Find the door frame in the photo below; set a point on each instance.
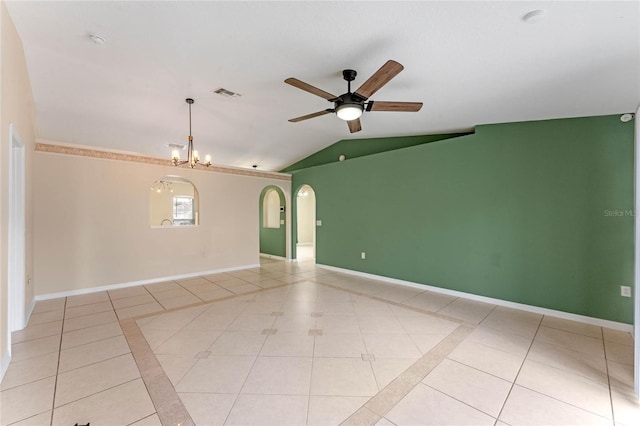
(636, 320)
(17, 233)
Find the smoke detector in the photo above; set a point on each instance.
(96, 39)
(226, 93)
(534, 16)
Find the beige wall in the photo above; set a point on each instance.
(17, 107)
(92, 223)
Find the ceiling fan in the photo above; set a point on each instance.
(350, 106)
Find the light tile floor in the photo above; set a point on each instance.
(292, 344)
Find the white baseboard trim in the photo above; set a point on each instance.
(4, 364)
(141, 282)
(272, 256)
(528, 308)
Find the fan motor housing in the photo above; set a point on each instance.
(349, 98)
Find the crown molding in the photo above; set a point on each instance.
(104, 154)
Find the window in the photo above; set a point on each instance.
(271, 209)
(183, 211)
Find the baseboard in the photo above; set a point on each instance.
(528, 308)
(4, 364)
(141, 282)
(272, 256)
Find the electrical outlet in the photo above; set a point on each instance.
(625, 291)
(363, 255)
(318, 223)
(281, 221)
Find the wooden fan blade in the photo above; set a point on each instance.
(396, 106)
(354, 125)
(379, 79)
(309, 88)
(308, 116)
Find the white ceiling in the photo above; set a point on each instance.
(469, 62)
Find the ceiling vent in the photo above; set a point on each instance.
(227, 93)
(177, 146)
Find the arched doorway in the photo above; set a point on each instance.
(273, 238)
(306, 223)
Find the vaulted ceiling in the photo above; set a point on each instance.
(469, 62)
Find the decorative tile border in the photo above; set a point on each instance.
(382, 402)
(169, 406)
(171, 410)
(109, 155)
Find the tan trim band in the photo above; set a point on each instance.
(108, 155)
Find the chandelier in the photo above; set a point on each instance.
(193, 157)
(161, 186)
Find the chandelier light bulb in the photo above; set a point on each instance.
(193, 157)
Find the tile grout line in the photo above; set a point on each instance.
(211, 302)
(208, 348)
(447, 305)
(462, 402)
(560, 369)
(408, 307)
(384, 401)
(55, 383)
(606, 366)
(99, 392)
(130, 297)
(189, 291)
(313, 355)
(235, 401)
(144, 418)
(154, 298)
(575, 373)
(124, 334)
(565, 403)
(497, 349)
(519, 370)
(366, 347)
(573, 332)
(488, 313)
(215, 340)
(37, 338)
(93, 363)
(477, 369)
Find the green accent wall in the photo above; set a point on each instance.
(273, 241)
(538, 213)
(353, 148)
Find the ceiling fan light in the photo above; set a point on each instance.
(348, 112)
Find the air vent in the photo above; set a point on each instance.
(227, 93)
(177, 146)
